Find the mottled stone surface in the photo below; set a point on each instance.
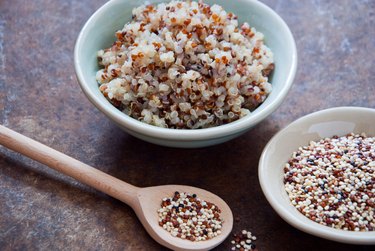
(39, 97)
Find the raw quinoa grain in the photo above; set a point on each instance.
(185, 65)
(243, 241)
(332, 182)
(188, 217)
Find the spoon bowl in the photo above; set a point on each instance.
(144, 201)
(147, 206)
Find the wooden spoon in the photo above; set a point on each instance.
(144, 201)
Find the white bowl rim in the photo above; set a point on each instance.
(350, 237)
(185, 134)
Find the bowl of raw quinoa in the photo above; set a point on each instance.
(185, 73)
(318, 174)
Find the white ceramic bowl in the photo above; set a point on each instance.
(327, 123)
(98, 33)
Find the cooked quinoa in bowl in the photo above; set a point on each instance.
(186, 65)
(99, 32)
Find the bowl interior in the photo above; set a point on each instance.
(326, 123)
(98, 33)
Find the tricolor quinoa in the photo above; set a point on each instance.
(332, 181)
(185, 64)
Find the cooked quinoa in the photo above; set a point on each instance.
(185, 65)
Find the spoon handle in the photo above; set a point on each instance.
(69, 166)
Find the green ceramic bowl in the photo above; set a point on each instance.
(98, 33)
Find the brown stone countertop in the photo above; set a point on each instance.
(41, 209)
